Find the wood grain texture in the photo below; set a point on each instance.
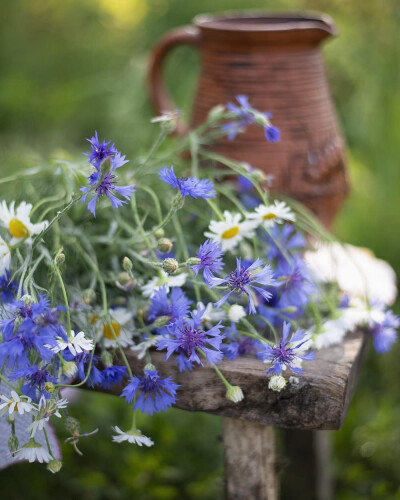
(319, 401)
(249, 460)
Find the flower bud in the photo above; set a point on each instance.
(106, 358)
(193, 261)
(54, 466)
(73, 426)
(60, 259)
(13, 443)
(234, 393)
(161, 321)
(164, 245)
(177, 202)
(127, 264)
(150, 366)
(28, 300)
(160, 233)
(290, 309)
(125, 282)
(170, 265)
(105, 166)
(216, 113)
(88, 296)
(277, 383)
(49, 387)
(69, 369)
(236, 313)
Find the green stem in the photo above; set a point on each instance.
(64, 292)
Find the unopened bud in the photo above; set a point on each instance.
(177, 202)
(164, 245)
(120, 301)
(150, 366)
(73, 426)
(277, 383)
(49, 387)
(170, 265)
(161, 321)
(69, 369)
(234, 393)
(28, 300)
(54, 466)
(60, 259)
(216, 113)
(193, 261)
(127, 264)
(88, 296)
(13, 443)
(125, 282)
(160, 233)
(106, 358)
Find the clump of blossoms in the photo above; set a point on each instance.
(179, 270)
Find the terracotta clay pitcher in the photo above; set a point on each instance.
(275, 60)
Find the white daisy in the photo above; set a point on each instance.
(18, 222)
(75, 343)
(47, 408)
(332, 332)
(236, 313)
(33, 452)
(158, 281)
(269, 215)
(229, 232)
(132, 436)
(15, 403)
(121, 319)
(5, 257)
(211, 314)
(144, 346)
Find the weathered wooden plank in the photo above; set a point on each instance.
(250, 460)
(319, 401)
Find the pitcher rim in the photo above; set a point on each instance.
(241, 21)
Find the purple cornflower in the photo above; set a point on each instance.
(289, 353)
(153, 393)
(289, 238)
(188, 338)
(104, 184)
(298, 285)
(8, 288)
(36, 377)
(384, 334)
(238, 345)
(210, 255)
(191, 186)
(246, 115)
(99, 152)
(113, 375)
(243, 280)
(175, 306)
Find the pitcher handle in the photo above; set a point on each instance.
(188, 35)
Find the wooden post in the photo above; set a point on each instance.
(249, 457)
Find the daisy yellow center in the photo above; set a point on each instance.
(269, 216)
(93, 319)
(15, 407)
(18, 228)
(108, 333)
(230, 233)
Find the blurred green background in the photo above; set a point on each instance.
(70, 67)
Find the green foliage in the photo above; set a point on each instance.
(71, 67)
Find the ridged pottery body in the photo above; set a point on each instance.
(276, 61)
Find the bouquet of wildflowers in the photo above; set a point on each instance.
(191, 258)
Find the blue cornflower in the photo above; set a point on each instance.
(83, 361)
(175, 306)
(210, 255)
(187, 338)
(188, 187)
(289, 353)
(37, 377)
(8, 288)
(244, 279)
(288, 238)
(238, 345)
(246, 115)
(153, 393)
(298, 285)
(99, 152)
(104, 184)
(384, 333)
(113, 375)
